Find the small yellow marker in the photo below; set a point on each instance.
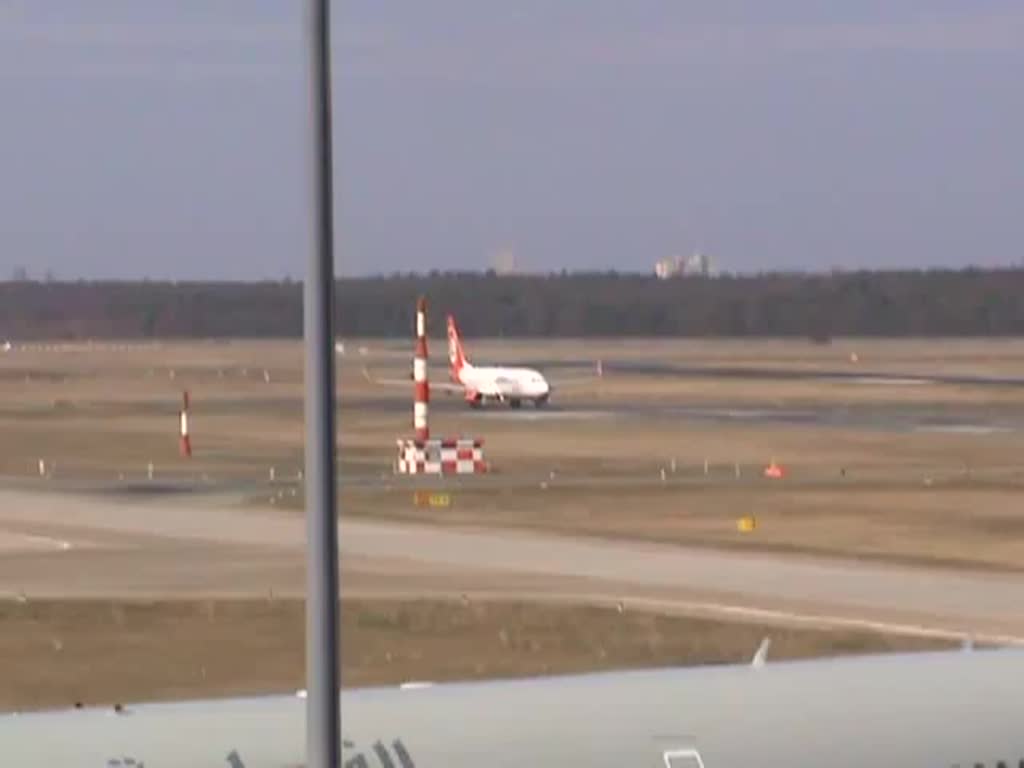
(440, 500)
(429, 499)
(746, 524)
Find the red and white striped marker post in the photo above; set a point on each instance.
(419, 374)
(423, 454)
(185, 444)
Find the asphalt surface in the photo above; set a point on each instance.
(900, 417)
(583, 405)
(767, 373)
(64, 545)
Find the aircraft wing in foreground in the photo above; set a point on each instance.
(942, 709)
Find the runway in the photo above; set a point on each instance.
(768, 373)
(188, 547)
(887, 417)
(900, 416)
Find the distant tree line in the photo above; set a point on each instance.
(971, 302)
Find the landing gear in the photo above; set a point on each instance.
(515, 402)
(540, 402)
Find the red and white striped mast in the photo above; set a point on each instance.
(185, 444)
(419, 374)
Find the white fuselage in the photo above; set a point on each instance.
(499, 383)
(935, 710)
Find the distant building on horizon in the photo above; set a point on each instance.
(680, 266)
(504, 261)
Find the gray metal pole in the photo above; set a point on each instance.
(323, 712)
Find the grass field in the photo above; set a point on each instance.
(54, 654)
(860, 483)
(866, 488)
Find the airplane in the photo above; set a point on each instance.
(482, 384)
(938, 709)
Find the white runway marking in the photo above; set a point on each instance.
(745, 613)
(962, 429)
(13, 541)
(891, 381)
(837, 622)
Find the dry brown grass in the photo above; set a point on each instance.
(101, 416)
(104, 415)
(53, 654)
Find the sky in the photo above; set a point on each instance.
(141, 138)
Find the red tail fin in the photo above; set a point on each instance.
(456, 356)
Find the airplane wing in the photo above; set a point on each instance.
(440, 386)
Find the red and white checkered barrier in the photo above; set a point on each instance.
(441, 457)
(424, 455)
